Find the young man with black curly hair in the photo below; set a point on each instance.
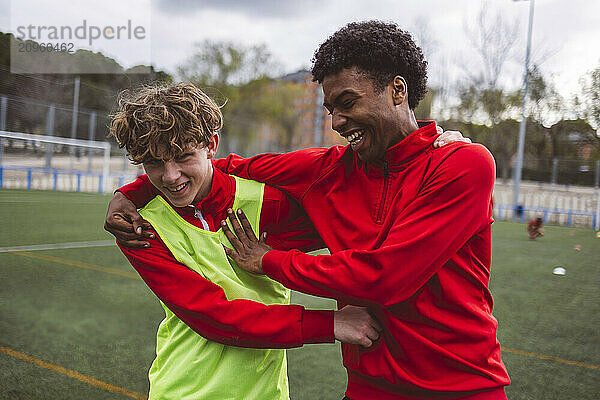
(408, 225)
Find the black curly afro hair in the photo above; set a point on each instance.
(379, 49)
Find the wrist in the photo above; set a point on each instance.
(260, 262)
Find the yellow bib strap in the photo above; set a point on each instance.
(188, 365)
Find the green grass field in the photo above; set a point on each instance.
(84, 310)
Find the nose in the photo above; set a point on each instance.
(171, 172)
(338, 121)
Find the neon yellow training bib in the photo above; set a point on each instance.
(188, 366)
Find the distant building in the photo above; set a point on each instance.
(314, 129)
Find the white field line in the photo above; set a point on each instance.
(52, 246)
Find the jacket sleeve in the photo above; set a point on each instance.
(140, 191)
(203, 306)
(453, 204)
(287, 223)
(292, 172)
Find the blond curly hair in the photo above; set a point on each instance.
(161, 122)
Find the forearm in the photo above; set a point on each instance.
(384, 276)
(270, 326)
(286, 223)
(204, 307)
(292, 172)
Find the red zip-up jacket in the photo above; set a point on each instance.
(410, 238)
(201, 304)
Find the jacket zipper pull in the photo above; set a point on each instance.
(198, 215)
(386, 171)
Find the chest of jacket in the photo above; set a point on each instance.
(355, 208)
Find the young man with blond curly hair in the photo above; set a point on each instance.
(225, 329)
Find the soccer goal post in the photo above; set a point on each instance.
(29, 150)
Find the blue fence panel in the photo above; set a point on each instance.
(55, 173)
(546, 212)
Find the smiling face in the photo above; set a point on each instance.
(371, 121)
(187, 178)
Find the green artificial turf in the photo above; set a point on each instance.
(103, 325)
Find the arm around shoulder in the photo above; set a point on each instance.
(292, 172)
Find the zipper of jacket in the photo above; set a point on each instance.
(198, 215)
(386, 174)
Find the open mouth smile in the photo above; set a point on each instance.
(356, 139)
(178, 188)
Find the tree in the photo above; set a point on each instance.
(589, 99)
(242, 80)
(279, 105)
(227, 63)
(30, 95)
(545, 105)
(568, 135)
(492, 38)
(481, 96)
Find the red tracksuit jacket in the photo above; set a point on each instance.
(201, 304)
(411, 238)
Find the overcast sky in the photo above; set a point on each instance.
(566, 33)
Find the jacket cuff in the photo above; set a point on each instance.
(272, 262)
(317, 326)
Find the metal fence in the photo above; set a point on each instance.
(30, 116)
(31, 163)
(576, 172)
(569, 205)
(34, 178)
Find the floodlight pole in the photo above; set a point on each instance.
(3, 107)
(105, 168)
(519, 162)
(318, 121)
(74, 116)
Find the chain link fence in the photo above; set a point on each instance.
(570, 172)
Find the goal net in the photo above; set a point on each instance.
(29, 161)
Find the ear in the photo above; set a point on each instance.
(212, 147)
(399, 90)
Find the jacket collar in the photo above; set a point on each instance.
(222, 190)
(413, 144)
(408, 148)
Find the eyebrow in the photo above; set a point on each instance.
(337, 98)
